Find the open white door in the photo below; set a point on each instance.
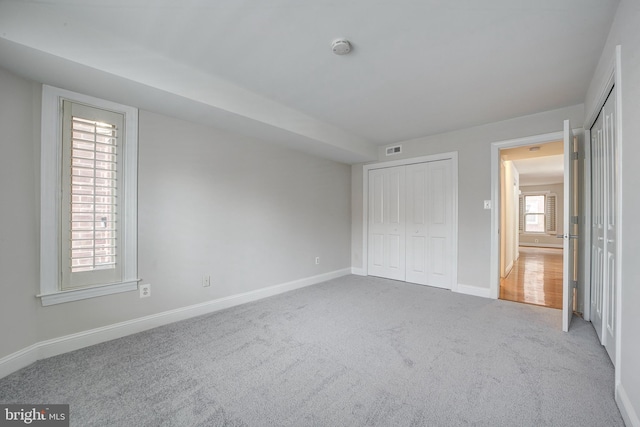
(569, 236)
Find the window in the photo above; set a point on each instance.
(534, 214)
(538, 213)
(89, 200)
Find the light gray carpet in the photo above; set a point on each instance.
(354, 351)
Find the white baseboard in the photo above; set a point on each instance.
(18, 360)
(476, 291)
(542, 245)
(628, 412)
(53, 347)
(358, 271)
(508, 268)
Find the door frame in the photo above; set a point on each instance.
(611, 78)
(494, 276)
(453, 156)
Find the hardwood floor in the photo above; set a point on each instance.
(536, 278)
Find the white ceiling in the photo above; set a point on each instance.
(541, 170)
(265, 68)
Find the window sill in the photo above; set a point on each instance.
(537, 233)
(86, 293)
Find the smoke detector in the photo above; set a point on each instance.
(341, 47)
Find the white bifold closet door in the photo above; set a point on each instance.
(387, 223)
(604, 227)
(410, 223)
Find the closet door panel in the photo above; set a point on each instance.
(386, 234)
(440, 227)
(417, 250)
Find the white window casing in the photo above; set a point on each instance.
(101, 266)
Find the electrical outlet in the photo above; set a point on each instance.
(145, 290)
(206, 281)
(317, 260)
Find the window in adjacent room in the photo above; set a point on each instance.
(538, 213)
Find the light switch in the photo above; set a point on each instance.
(487, 204)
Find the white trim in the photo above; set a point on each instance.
(84, 293)
(358, 271)
(53, 347)
(605, 89)
(542, 245)
(475, 291)
(627, 410)
(585, 227)
(494, 275)
(619, 184)
(508, 268)
(49, 200)
(19, 359)
(453, 156)
(533, 193)
(50, 184)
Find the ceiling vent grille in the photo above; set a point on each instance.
(394, 150)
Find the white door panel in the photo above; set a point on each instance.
(386, 223)
(377, 245)
(417, 228)
(604, 194)
(410, 223)
(440, 226)
(597, 226)
(416, 256)
(610, 238)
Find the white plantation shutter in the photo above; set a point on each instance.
(521, 214)
(91, 147)
(88, 197)
(550, 214)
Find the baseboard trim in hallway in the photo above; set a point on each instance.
(629, 415)
(53, 347)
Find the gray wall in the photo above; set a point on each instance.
(624, 32)
(248, 213)
(474, 182)
(19, 215)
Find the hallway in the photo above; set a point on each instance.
(536, 278)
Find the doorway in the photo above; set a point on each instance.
(570, 238)
(531, 212)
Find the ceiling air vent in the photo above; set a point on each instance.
(394, 150)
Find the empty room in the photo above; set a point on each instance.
(279, 213)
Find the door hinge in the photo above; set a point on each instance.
(574, 284)
(575, 219)
(575, 155)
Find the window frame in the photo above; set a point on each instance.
(51, 255)
(545, 214)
